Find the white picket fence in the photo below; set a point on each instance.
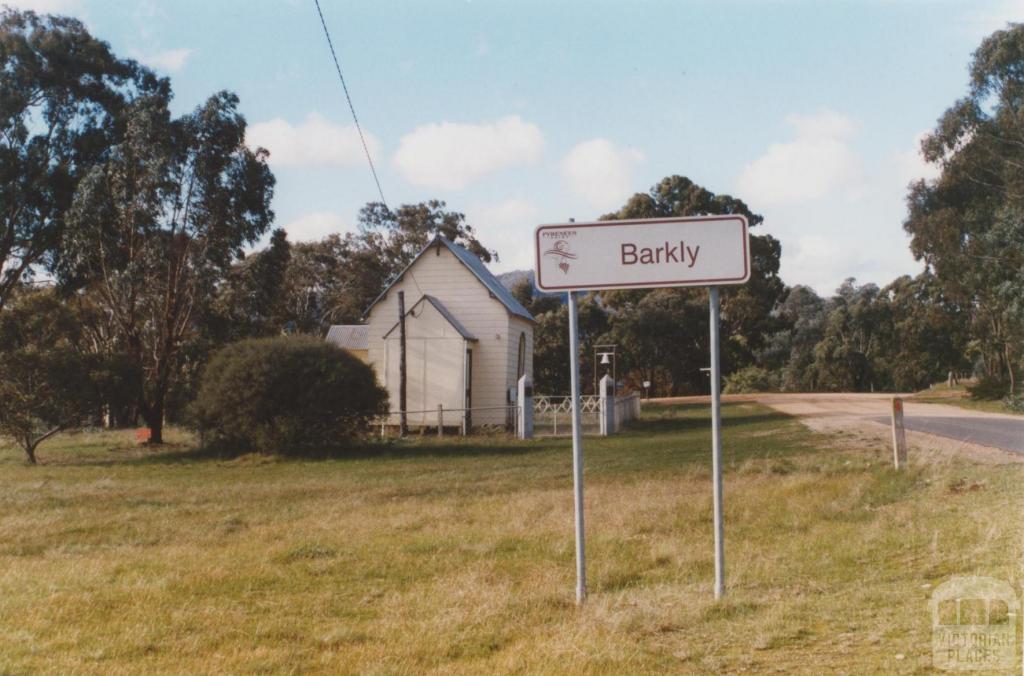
(552, 415)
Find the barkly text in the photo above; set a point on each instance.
(631, 254)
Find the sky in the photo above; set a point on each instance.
(524, 112)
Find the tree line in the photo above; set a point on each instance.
(130, 251)
(964, 314)
(902, 337)
(123, 238)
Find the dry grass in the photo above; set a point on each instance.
(959, 396)
(457, 557)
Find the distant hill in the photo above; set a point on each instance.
(512, 277)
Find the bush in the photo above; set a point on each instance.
(291, 395)
(50, 379)
(1014, 402)
(752, 379)
(989, 388)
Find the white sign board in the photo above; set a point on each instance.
(691, 251)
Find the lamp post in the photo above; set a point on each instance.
(608, 356)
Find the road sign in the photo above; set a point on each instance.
(635, 254)
(706, 251)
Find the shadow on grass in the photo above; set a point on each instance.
(680, 418)
(413, 446)
(658, 421)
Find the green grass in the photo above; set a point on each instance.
(958, 396)
(456, 556)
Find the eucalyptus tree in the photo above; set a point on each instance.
(62, 99)
(746, 309)
(964, 224)
(155, 227)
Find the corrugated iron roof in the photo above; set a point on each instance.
(349, 336)
(479, 270)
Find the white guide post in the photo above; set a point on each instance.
(577, 451)
(899, 435)
(716, 445)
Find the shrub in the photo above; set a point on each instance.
(989, 388)
(50, 380)
(752, 379)
(289, 395)
(1014, 402)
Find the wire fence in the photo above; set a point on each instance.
(552, 416)
(443, 421)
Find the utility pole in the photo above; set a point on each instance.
(403, 424)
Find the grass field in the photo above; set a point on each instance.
(457, 556)
(958, 396)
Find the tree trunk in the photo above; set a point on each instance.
(30, 451)
(1009, 368)
(156, 420)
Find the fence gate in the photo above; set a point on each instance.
(552, 416)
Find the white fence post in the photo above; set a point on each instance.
(606, 405)
(525, 411)
(440, 420)
(899, 435)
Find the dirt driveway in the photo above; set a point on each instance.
(934, 431)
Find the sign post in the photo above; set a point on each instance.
(639, 254)
(577, 451)
(716, 445)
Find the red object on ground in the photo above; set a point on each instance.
(142, 435)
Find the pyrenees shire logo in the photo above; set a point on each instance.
(560, 250)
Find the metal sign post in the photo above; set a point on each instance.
(716, 445)
(642, 254)
(577, 451)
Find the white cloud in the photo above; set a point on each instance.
(601, 172)
(314, 142)
(44, 6)
(818, 262)
(510, 212)
(818, 163)
(315, 226)
(912, 165)
(450, 156)
(170, 60)
(501, 226)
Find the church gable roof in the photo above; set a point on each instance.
(479, 270)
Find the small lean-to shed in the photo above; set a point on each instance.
(350, 337)
(468, 340)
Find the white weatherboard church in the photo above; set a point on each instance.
(468, 340)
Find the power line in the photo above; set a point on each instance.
(337, 66)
